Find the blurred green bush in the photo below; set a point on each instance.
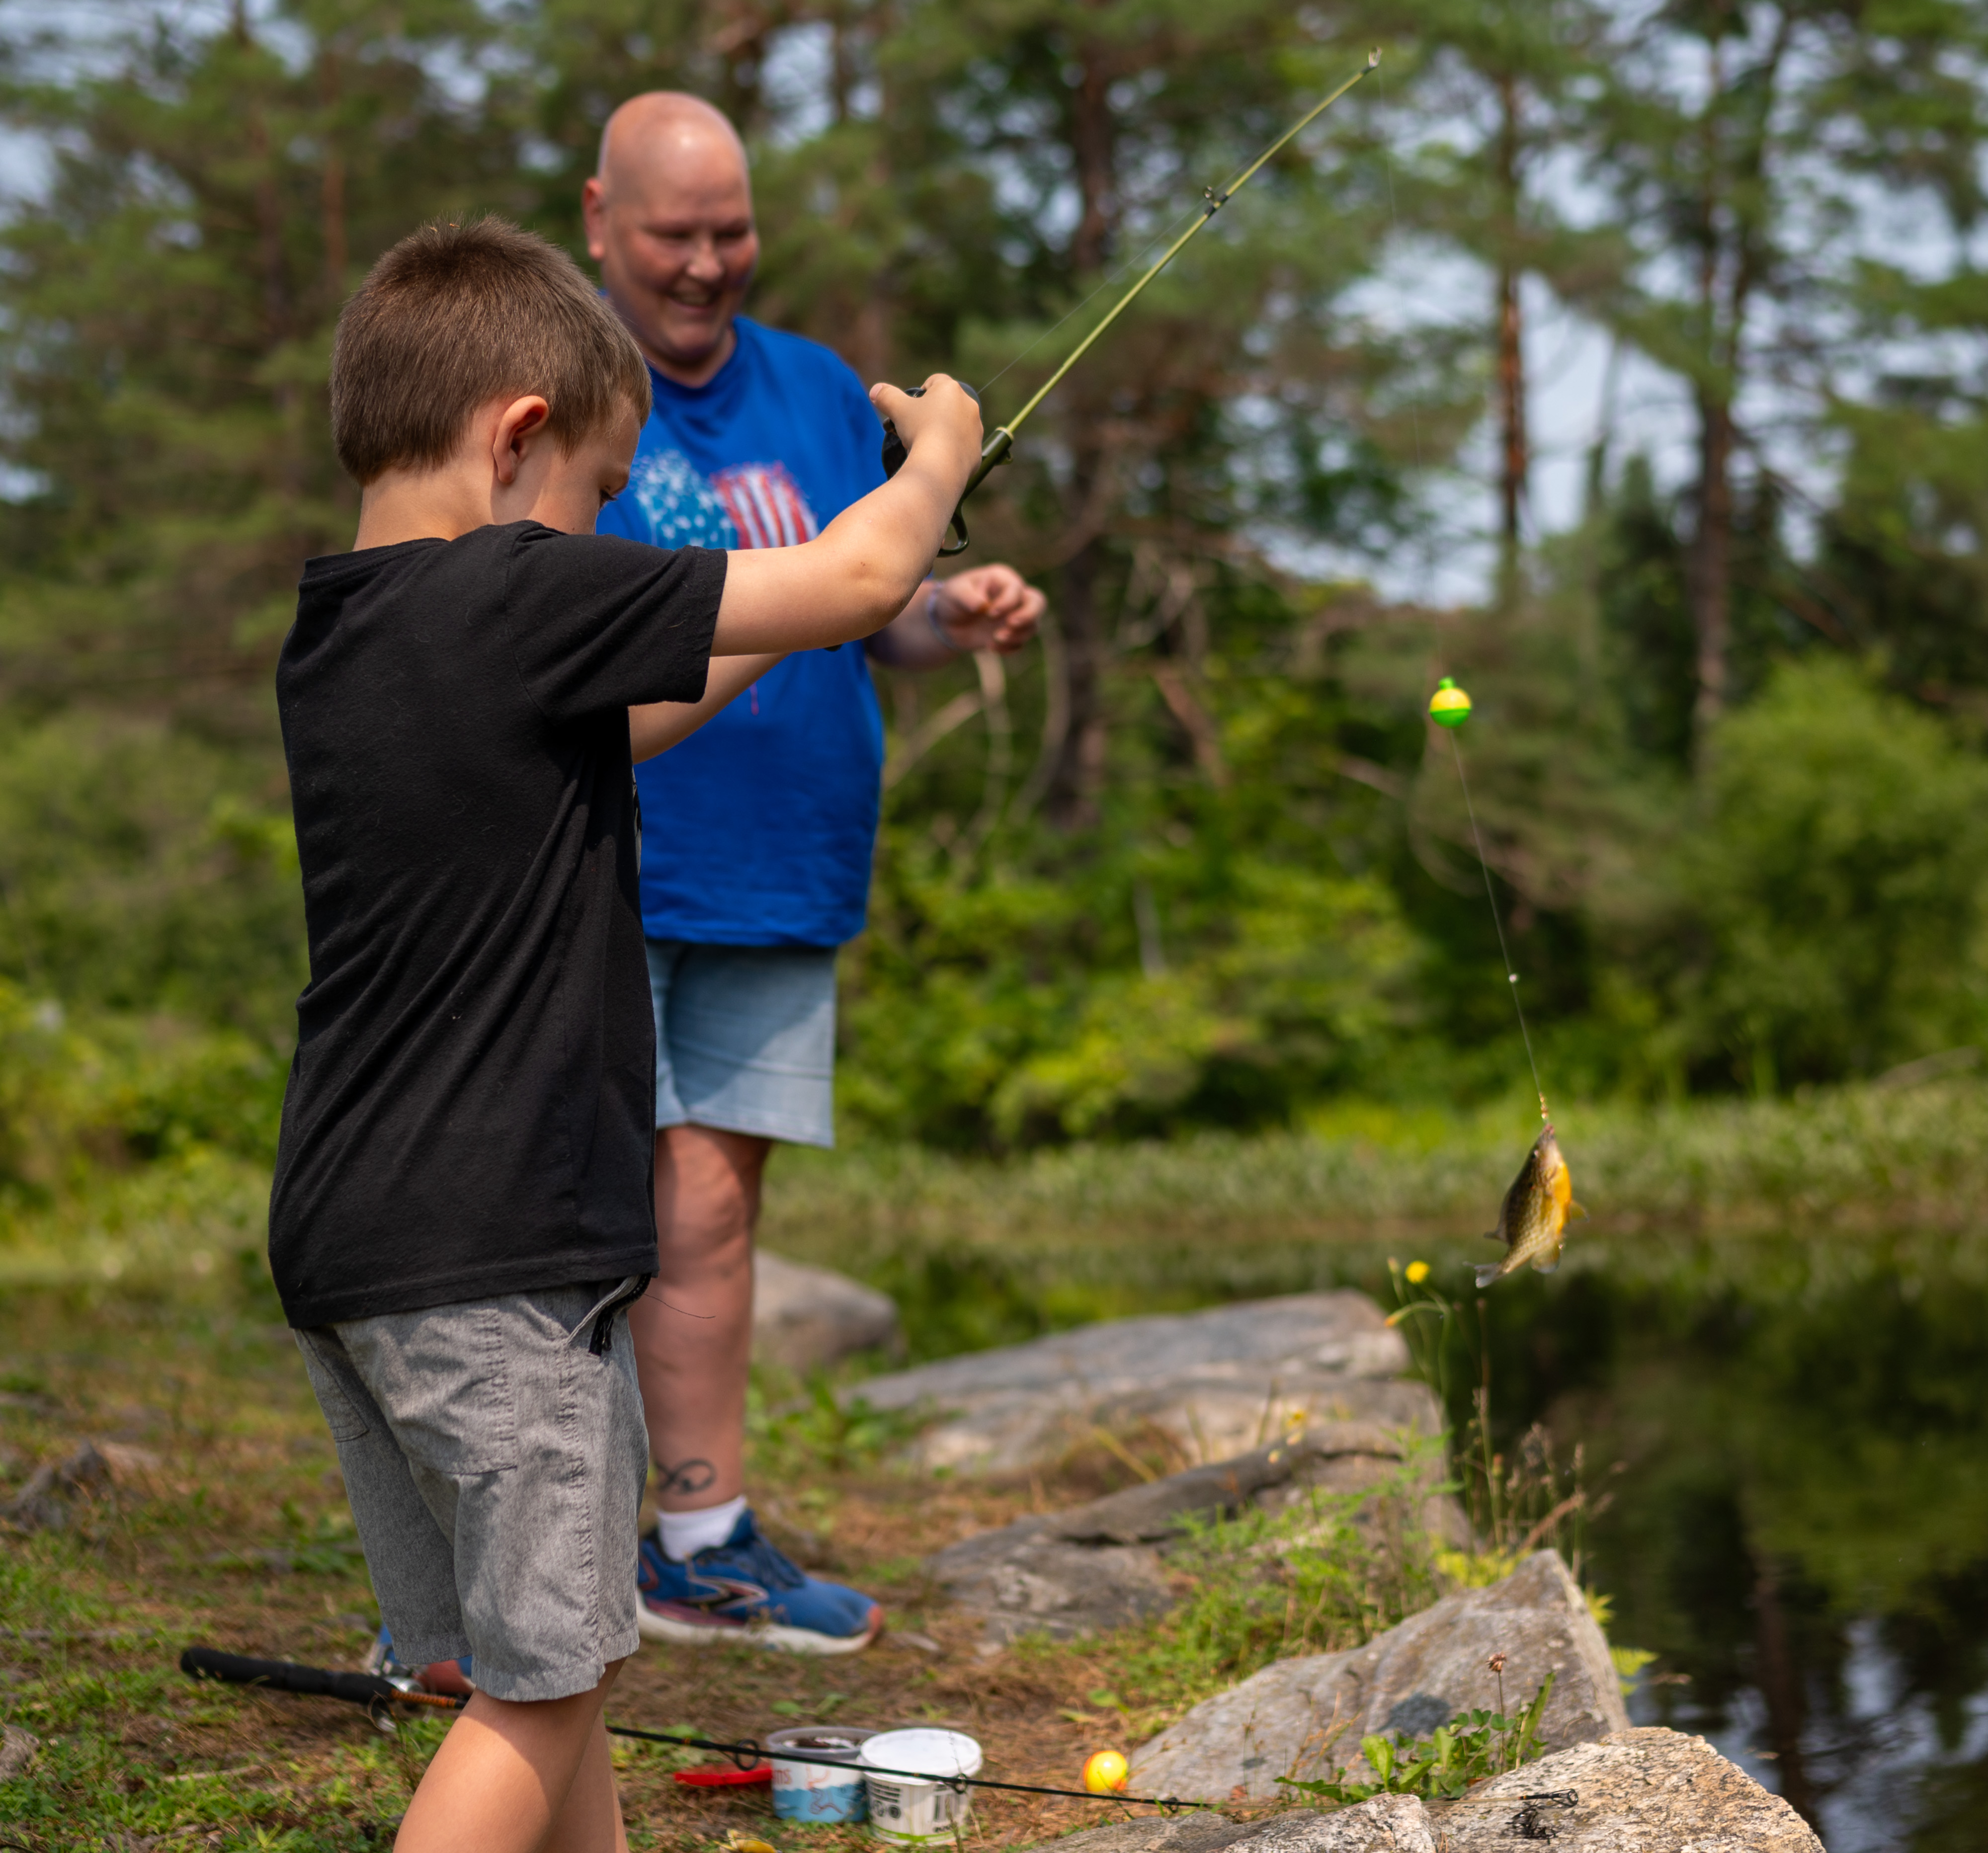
(1833, 895)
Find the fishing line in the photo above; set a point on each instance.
(372, 1691)
(747, 1752)
(1124, 270)
(1001, 442)
(1456, 751)
(1490, 894)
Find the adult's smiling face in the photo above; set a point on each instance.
(669, 220)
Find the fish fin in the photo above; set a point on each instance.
(1574, 1212)
(1487, 1275)
(1491, 1235)
(1546, 1267)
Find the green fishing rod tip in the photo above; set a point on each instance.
(1449, 706)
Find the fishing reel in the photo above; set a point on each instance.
(894, 453)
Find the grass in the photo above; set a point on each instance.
(226, 1524)
(135, 1309)
(1359, 1180)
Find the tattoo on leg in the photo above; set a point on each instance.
(686, 1477)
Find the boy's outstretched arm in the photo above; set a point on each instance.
(860, 571)
(659, 725)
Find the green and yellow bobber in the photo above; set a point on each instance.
(1449, 706)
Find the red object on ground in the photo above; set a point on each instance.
(757, 1777)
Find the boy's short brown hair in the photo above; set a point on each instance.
(457, 315)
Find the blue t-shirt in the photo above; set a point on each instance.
(758, 830)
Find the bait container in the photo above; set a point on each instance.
(919, 1809)
(815, 1791)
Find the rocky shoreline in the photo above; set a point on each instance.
(1270, 1401)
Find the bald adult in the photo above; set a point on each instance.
(669, 220)
(757, 837)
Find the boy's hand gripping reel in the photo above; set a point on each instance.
(993, 451)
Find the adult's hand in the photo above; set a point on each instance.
(988, 608)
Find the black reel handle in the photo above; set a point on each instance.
(894, 453)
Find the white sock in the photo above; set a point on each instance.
(685, 1534)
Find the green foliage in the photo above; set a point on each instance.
(1442, 1766)
(115, 1092)
(1001, 1011)
(1331, 1570)
(815, 1434)
(1193, 865)
(143, 868)
(1836, 883)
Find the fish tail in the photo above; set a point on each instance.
(1488, 1273)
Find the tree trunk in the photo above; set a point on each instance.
(1710, 567)
(1091, 144)
(331, 202)
(1515, 460)
(1078, 775)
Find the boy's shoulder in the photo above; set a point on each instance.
(402, 560)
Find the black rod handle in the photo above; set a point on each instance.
(283, 1676)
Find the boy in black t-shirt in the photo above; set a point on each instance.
(462, 1210)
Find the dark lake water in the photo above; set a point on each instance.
(1799, 1530)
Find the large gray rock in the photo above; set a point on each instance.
(18, 1749)
(43, 1504)
(1163, 1834)
(1640, 1791)
(1636, 1791)
(1388, 1824)
(1100, 1566)
(1304, 1718)
(807, 1317)
(1217, 1384)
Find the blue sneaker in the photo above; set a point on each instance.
(449, 1676)
(744, 1590)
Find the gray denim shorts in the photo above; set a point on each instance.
(494, 1454)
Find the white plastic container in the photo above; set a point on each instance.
(815, 1791)
(918, 1809)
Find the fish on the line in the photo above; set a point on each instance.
(1537, 1208)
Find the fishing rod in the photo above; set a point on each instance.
(374, 1691)
(1001, 442)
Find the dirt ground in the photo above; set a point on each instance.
(219, 1518)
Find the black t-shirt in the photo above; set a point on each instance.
(471, 1111)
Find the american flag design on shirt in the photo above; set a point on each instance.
(750, 504)
(765, 504)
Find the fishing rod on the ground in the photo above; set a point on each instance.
(1001, 442)
(374, 1691)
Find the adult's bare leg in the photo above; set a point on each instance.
(693, 1330)
(516, 1778)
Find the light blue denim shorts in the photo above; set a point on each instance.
(745, 1039)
